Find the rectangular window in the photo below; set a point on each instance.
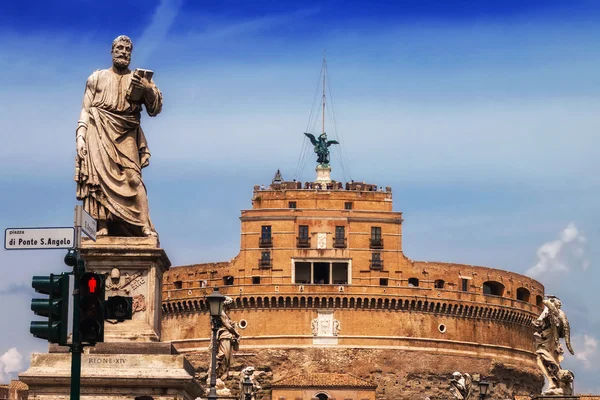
(303, 240)
(265, 236)
(348, 205)
(376, 261)
(228, 280)
(321, 273)
(339, 240)
(265, 259)
(376, 239)
(292, 204)
(302, 272)
(383, 281)
(465, 285)
(256, 280)
(339, 273)
(303, 231)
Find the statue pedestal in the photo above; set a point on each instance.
(131, 362)
(114, 371)
(134, 267)
(323, 175)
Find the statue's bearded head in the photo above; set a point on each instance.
(121, 51)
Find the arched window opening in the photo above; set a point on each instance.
(493, 288)
(321, 396)
(413, 282)
(523, 294)
(439, 284)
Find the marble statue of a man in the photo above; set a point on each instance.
(112, 148)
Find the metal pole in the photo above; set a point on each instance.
(212, 394)
(76, 346)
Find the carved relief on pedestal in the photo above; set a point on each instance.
(124, 284)
(139, 303)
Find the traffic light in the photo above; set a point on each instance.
(91, 306)
(119, 308)
(56, 308)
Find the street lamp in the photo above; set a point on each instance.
(247, 387)
(483, 389)
(215, 305)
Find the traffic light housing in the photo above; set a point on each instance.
(119, 308)
(55, 308)
(91, 308)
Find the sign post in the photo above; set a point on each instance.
(85, 222)
(60, 238)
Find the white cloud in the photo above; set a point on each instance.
(162, 20)
(561, 254)
(10, 362)
(586, 350)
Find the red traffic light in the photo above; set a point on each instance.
(91, 283)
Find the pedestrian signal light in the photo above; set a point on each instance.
(91, 308)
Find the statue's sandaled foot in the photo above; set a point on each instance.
(146, 231)
(102, 229)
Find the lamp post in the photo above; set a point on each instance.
(247, 387)
(215, 305)
(483, 389)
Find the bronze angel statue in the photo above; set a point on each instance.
(461, 386)
(321, 147)
(551, 326)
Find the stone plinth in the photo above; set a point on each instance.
(323, 174)
(109, 373)
(557, 397)
(134, 267)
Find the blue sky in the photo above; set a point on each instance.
(481, 115)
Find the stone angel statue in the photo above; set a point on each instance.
(551, 326)
(461, 385)
(321, 147)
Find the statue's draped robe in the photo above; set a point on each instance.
(548, 347)
(109, 178)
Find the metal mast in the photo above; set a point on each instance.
(324, 74)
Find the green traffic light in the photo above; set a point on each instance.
(55, 308)
(45, 308)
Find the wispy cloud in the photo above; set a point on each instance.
(157, 30)
(16, 288)
(561, 255)
(10, 362)
(586, 350)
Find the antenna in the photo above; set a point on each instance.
(324, 74)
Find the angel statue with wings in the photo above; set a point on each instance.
(321, 147)
(551, 326)
(461, 386)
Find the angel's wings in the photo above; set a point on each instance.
(565, 330)
(312, 138)
(330, 142)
